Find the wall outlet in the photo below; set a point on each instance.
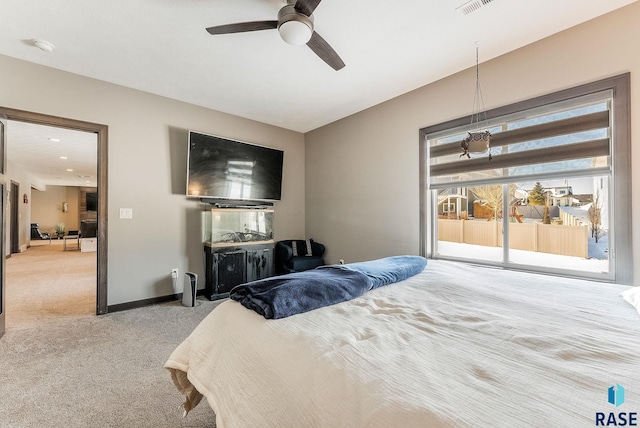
(174, 273)
(341, 261)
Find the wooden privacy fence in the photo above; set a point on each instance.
(543, 238)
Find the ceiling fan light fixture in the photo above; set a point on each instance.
(294, 27)
(295, 32)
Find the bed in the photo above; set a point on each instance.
(455, 345)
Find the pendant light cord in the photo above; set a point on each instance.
(478, 101)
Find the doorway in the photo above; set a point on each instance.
(101, 132)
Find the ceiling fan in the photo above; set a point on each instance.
(295, 25)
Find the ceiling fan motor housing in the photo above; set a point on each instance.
(294, 27)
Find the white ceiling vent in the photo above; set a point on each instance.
(472, 6)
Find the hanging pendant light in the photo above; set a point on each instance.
(477, 141)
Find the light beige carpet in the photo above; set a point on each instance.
(46, 283)
(63, 366)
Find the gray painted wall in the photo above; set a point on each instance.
(147, 170)
(362, 173)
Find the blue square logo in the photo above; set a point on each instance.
(616, 395)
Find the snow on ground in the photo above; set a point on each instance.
(598, 261)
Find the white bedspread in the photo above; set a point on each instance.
(456, 345)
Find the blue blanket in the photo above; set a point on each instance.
(295, 293)
(390, 269)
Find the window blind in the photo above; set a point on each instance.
(566, 137)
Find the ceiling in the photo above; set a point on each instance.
(390, 48)
(53, 156)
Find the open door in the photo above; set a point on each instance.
(3, 207)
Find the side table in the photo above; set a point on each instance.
(71, 238)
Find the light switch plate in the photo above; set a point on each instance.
(126, 213)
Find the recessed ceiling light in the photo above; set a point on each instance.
(55, 140)
(63, 157)
(69, 170)
(43, 45)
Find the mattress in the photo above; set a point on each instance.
(456, 345)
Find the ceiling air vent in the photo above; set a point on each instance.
(472, 6)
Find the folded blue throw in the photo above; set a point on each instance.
(295, 293)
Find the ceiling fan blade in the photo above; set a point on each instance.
(324, 51)
(306, 6)
(241, 27)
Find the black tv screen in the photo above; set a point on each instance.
(91, 200)
(220, 168)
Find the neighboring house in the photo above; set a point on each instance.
(561, 196)
(453, 203)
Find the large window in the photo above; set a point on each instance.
(552, 194)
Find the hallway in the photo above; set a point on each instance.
(45, 284)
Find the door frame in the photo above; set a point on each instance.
(3, 223)
(14, 234)
(102, 174)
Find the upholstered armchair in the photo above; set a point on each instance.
(36, 233)
(298, 255)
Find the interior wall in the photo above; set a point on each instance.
(362, 172)
(18, 175)
(46, 207)
(147, 171)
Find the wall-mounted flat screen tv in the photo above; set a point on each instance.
(91, 200)
(219, 168)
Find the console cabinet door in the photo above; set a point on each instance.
(227, 267)
(259, 264)
(231, 270)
